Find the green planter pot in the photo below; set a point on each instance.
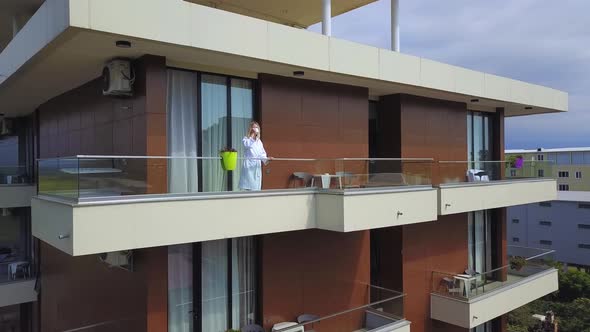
(229, 160)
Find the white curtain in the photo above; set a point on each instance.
(182, 177)
(214, 286)
(182, 131)
(241, 115)
(180, 288)
(243, 282)
(214, 132)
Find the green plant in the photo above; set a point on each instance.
(517, 262)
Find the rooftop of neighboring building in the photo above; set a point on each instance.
(573, 196)
(576, 149)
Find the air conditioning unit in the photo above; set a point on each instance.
(5, 127)
(118, 78)
(121, 259)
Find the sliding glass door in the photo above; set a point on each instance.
(211, 285)
(205, 113)
(226, 274)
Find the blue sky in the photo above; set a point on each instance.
(541, 42)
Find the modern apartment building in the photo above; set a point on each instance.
(384, 208)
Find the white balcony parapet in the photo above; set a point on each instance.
(17, 292)
(94, 204)
(471, 300)
(472, 186)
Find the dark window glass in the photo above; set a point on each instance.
(545, 204)
(515, 221)
(546, 242)
(584, 246)
(545, 223)
(584, 226)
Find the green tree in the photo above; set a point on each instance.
(573, 284)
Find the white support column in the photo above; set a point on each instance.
(327, 17)
(395, 25)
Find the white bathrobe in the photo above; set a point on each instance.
(251, 172)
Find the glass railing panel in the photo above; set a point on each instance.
(526, 169)
(486, 171)
(522, 263)
(108, 176)
(58, 176)
(382, 172)
(124, 324)
(382, 307)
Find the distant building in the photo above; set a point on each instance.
(563, 224)
(570, 166)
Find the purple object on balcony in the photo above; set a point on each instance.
(518, 162)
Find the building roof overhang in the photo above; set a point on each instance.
(66, 43)
(300, 13)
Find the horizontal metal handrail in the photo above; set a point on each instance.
(342, 313)
(492, 161)
(508, 265)
(218, 158)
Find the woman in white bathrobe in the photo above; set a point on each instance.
(254, 156)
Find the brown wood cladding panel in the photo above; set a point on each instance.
(435, 129)
(434, 246)
(153, 263)
(80, 291)
(315, 272)
(309, 119)
(83, 121)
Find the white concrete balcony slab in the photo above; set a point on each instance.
(469, 301)
(16, 195)
(96, 225)
(474, 196)
(94, 204)
(469, 313)
(17, 292)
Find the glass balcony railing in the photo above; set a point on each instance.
(104, 176)
(14, 175)
(485, 171)
(522, 263)
(383, 307)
